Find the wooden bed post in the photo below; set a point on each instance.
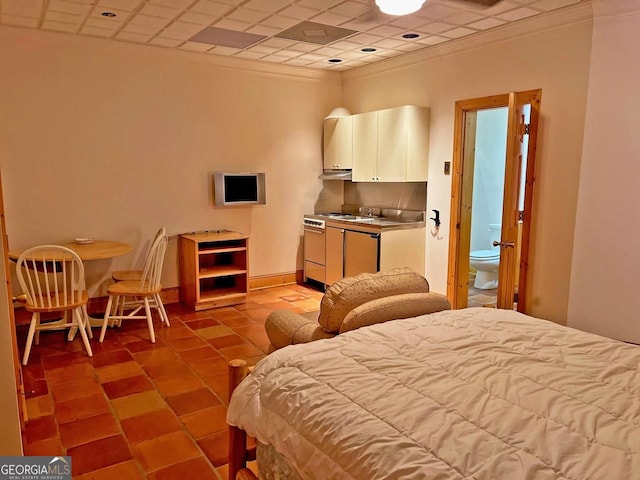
(238, 452)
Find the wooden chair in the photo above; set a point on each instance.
(52, 280)
(136, 295)
(136, 275)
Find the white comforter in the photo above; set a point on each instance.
(476, 393)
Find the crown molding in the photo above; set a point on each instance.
(575, 14)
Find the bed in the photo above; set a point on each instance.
(476, 393)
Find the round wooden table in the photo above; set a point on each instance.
(96, 250)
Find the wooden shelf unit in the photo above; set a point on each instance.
(214, 269)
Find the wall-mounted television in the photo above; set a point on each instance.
(238, 189)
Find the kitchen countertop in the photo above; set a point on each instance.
(377, 222)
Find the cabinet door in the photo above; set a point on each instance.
(392, 145)
(338, 143)
(361, 253)
(417, 143)
(334, 255)
(365, 147)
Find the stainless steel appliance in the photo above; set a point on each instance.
(314, 249)
(331, 253)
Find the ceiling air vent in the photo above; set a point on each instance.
(317, 33)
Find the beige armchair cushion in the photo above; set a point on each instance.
(347, 294)
(406, 305)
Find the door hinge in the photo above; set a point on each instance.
(521, 215)
(525, 128)
(515, 297)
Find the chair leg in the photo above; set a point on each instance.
(161, 310)
(87, 321)
(80, 319)
(32, 329)
(106, 318)
(147, 309)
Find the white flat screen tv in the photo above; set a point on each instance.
(238, 189)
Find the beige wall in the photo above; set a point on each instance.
(604, 296)
(113, 140)
(557, 61)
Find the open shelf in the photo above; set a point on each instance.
(213, 269)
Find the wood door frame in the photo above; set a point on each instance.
(458, 272)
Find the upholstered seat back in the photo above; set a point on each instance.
(345, 295)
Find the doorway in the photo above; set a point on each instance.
(491, 206)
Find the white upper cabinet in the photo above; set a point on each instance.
(338, 143)
(391, 145)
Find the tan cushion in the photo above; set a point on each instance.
(285, 327)
(406, 305)
(346, 294)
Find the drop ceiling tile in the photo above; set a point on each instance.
(435, 11)
(247, 15)
(69, 7)
(278, 21)
(128, 5)
(211, 8)
(249, 54)
(517, 14)
(328, 51)
(390, 43)
(274, 59)
(198, 18)
(160, 11)
(179, 4)
(148, 20)
(64, 17)
(267, 6)
(263, 49)
(60, 26)
(121, 15)
(486, 23)
(346, 45)
(353, 9)
(132, 37)
(140, 29)
(458, 32)
(165, 42)
(408, 22)
(181, 31)
(103, 24)
(97, 32)
(365, 38)
(330, 19)
(548, 5)
(410, 47)
(195, 47)
(22, 8)
(303, 47)
(462, 18)
(232, 25)
(351, 55)
(298, 62)
(299, 13)
(500, 7)
(319, 4)
(387, 31)
(261, 29)
(436, 27)
(288, 53)
(17, 21)
(277, 42)
(227, 38)
(227, 51)
(432, 40)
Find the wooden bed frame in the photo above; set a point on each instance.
(239, 451)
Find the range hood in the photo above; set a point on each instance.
(335, 175)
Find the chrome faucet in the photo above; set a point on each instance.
(366, 211)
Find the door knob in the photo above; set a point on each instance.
(503, 244)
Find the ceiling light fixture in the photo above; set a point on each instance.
(399, 7)
(108, 14)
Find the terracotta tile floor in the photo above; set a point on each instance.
(138, 410)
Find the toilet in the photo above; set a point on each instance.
(486, 262)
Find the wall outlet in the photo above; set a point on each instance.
(447, 168)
